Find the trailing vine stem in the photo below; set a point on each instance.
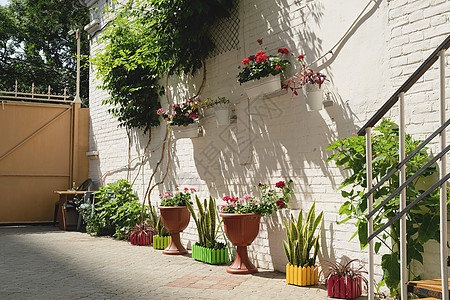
(203, 80)
(127, 129)
(143, 156)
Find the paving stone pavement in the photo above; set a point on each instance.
(43, 262)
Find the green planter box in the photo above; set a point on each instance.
(160, 242)
(211, 256)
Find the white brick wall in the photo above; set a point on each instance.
(283, 140)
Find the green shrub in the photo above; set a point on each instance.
(116, 209)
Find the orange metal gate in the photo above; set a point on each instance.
(42, 149)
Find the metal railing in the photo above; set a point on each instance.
(399, 96)
(17, 95)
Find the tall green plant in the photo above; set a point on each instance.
(206, 222)
(422, 222)
(301, 238)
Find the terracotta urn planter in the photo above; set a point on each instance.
(175, 219)
(241, 230)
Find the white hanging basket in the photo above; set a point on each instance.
(222, 111)
(190, 131)
(314, 96)
(263, 86)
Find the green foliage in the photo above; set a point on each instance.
(422, 222)
(115, 211)
(35, 46)
(301, 239)
(206, 222)
(162, 231)
(147, 39)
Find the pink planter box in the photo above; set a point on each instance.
(344, 287)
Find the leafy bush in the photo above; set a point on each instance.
(116, 209)
(422, 222)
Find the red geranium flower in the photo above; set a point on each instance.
(259, 53)
(300, 57)
(259, 41)
(280, 184)
(261, 58)
(226, 198)
(281, 204)
(252, 57)
(245, 61)
(277, 67)
(283, 50)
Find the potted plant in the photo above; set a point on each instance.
(175, 217)
(162, 238)
(141, 234)
(221, 107)
(301, 269)
(207, 249)
(260, 73)
(241, 217)
(311, 82)
(182, 118)
(343, 280)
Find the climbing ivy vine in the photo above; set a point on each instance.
(145, 40)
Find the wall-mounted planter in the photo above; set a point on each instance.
(344, 287)
(190, 131)
(302, 276)
(314, 96)
(161, 242)
(210, 256)
(222, 111)
(262, 86)
(141, 238)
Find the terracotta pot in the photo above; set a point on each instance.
(175, 219)
(241, 230)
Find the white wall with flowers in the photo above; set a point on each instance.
(276, 138)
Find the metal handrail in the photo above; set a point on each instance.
(406, 86)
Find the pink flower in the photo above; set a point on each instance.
(166, 194)
(247, 197)
(300, 57)
(223, 207)
(176, 106)
(226, 198)
(192, 115)
(281, 204)
(259, 41)
(245, 61)
(186, 189)
(186, 114)
(177, 186)
(160, 111)
(160, 195)
(280, 184)
(193, 190)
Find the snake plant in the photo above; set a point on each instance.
(301, 239)
(206, 222)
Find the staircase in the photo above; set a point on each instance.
(428, 288)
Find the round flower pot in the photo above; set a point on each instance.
(241, 230)
(190, 131)
(263, 86)
(314, 96)
(222, 112)
(175, 219)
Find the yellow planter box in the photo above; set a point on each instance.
(302, 276)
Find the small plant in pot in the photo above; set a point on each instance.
(301, 269)
(207, 249)
(260, 73)
(175, 217)
(182, 118)
(221, 107)
(310, 82)
(141, 234)
(343, 280)
(162, 238)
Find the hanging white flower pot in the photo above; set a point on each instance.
(190, 131)
(263, 86)
(314, 96)
(222, 111)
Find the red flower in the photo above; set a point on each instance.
(261, 58)
(281, 204)
(280, 184)
(259, 41)
(277, 67)
(300, 57)
(283, 50)
(259, 53)
(226, 198)
(246, 61)
(252, 57)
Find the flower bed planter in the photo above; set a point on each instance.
(262, 86)
(190, 131)
(211, 256)
(241, 230)
(302, 276)
(314, 97)
(344, 287)
(160, 242)
(175, 219)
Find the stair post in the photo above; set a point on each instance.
(371, 288)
